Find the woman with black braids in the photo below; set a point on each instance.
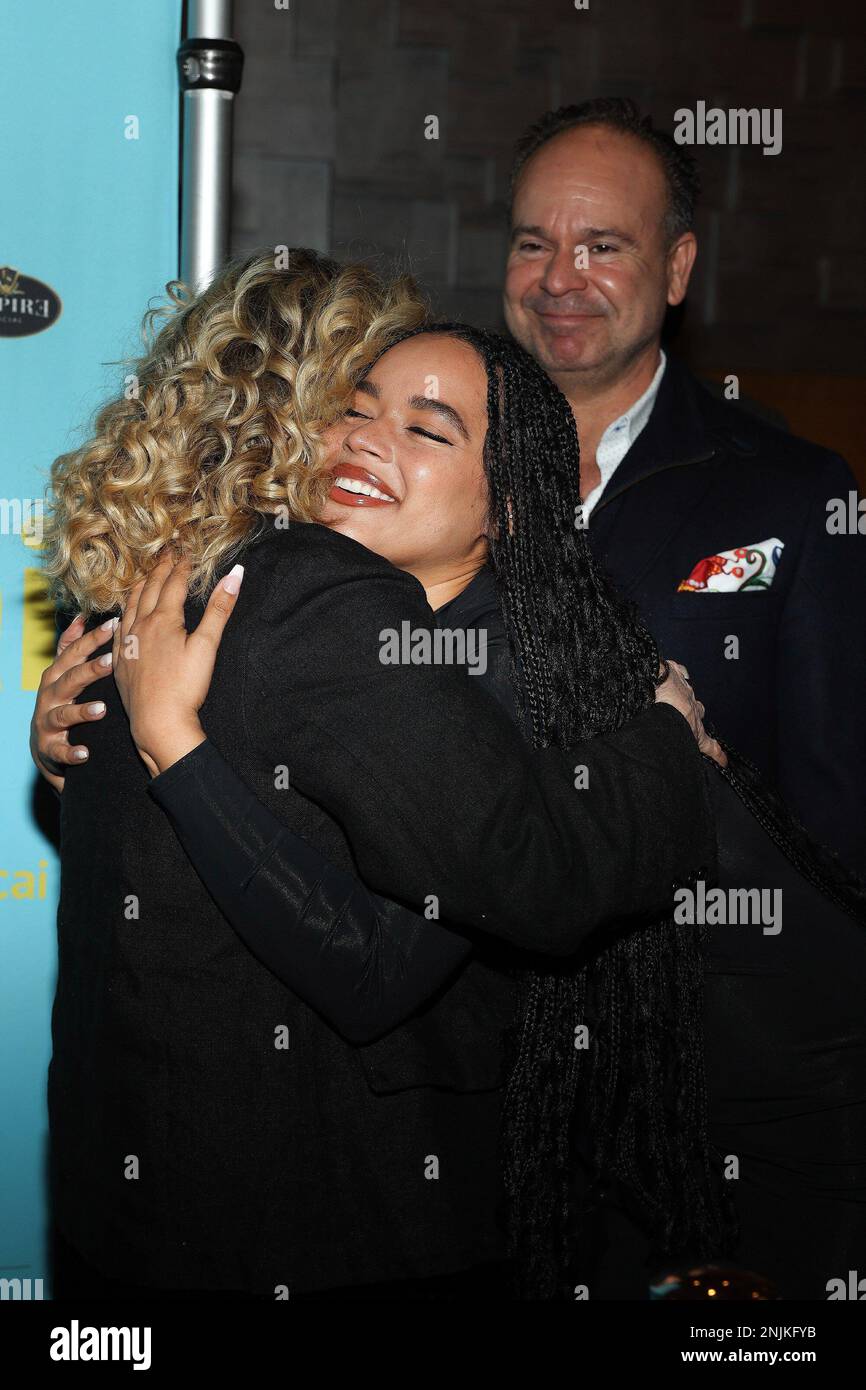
(607, 1140)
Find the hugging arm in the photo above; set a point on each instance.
(433, 785)
(363, 962)
(366, 962)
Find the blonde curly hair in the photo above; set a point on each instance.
(224, 424)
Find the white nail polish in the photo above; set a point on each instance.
(232, 581)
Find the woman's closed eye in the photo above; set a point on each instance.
(428, 434)
(352, 414)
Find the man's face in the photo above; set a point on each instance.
(594, 197)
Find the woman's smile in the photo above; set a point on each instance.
(358, 487)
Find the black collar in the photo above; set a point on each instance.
(687, 425)
(475, 606)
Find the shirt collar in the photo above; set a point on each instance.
(621, 433)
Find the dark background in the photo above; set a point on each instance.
(330, 153)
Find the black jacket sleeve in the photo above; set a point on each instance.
(433, 786)
(363, 962)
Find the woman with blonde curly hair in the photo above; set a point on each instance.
(220, 422)
(211, 1131)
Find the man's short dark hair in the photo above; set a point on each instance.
(622, 114)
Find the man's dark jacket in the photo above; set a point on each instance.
(705, 476)
(209, 1129)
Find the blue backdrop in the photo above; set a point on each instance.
(88, 208)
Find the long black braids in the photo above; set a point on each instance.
(633, 1100)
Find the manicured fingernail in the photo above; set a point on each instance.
(105, 660)
(80, 754)
(232, 581)
(107, 625)
(96, 707)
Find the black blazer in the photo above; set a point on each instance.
(705, 476)
(209, 1130)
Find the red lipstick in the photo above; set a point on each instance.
(350, 472)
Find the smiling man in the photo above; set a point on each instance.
(717, 524)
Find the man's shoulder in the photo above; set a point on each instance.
(768, 448)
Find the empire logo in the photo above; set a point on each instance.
(26, 305)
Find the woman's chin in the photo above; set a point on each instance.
(349, 521)
(336, 513)
(354, 522)
(333, 514)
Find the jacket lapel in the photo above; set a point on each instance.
(625, 533)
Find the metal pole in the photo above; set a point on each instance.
(210, 64)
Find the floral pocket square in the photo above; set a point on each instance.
(748, 567)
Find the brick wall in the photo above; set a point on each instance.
(331, 150)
